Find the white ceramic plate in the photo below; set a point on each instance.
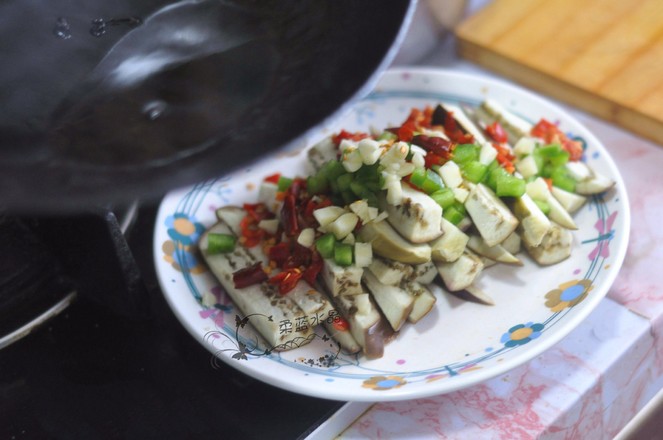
(459, 343)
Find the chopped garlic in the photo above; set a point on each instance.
(306, 237)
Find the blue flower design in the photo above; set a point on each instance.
(183, 228)
(521, 334)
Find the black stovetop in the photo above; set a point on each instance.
(98, 371)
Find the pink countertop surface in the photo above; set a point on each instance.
(591, 384)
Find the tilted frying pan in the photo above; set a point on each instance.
(108, 101)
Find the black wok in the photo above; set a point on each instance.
(110, 101)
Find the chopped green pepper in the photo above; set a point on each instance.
(465, 152)
(474, 171)
(343, 254)
(444, 197)
(510, 186)
(543, 206)
(325, 245)
(284, 183)
(220, 243)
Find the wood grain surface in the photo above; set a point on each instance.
(602, 56)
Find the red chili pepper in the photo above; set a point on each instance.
(406, 131)
(497, 133)
(341, 324)
(574, 148)
(299, 256)
(274, 178)
(548, 182)
(258, 211)
(432, 144)
(313, 269)
(550, 133)
(289, 216)
(249, 276)
(505, 158)
(357, 136)
(279, 253)
(251, 233)
(286, 280)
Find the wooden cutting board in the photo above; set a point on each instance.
(602, 56)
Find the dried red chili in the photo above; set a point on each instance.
(289, 218)
(249, 276)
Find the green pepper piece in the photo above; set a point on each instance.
(444, 197)
(418, 177)
(510, 186)
(432, 183)
(543, 206)
(474, 171)
(387, 136)
(317, 184)
(343, 254)
(358, 188)
(283, 183)
(344, 181)
(562, 179)
(332, 170)
(325, 245)
(220, 243)
(494, 175)
(465, 153)
(453, 215)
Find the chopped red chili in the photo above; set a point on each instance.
(274, 178)
(357, 136)
(340, 324)
(551, 133)
(249, 276)
(286, 280)
(497, 133)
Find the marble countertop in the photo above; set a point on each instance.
(600, 376)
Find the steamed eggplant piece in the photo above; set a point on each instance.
(322, 152)
(512, 243)
(534, 224)
(588, 181)
(423, 273)
(450, 246)
(261, 300)
(595, 185)
(515, 127)
(448, 110)
(474, 293)
(497, 252)
(366, 324)
(342, 281)
(490, 215)
(424, 301)
(343, 336)
(395, 303)
(555, 246)
(570, 202)
(538, 189)
(461, 273)
(390, 244)
(416, 217)
(390, 272)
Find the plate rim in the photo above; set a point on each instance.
(459, 382)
